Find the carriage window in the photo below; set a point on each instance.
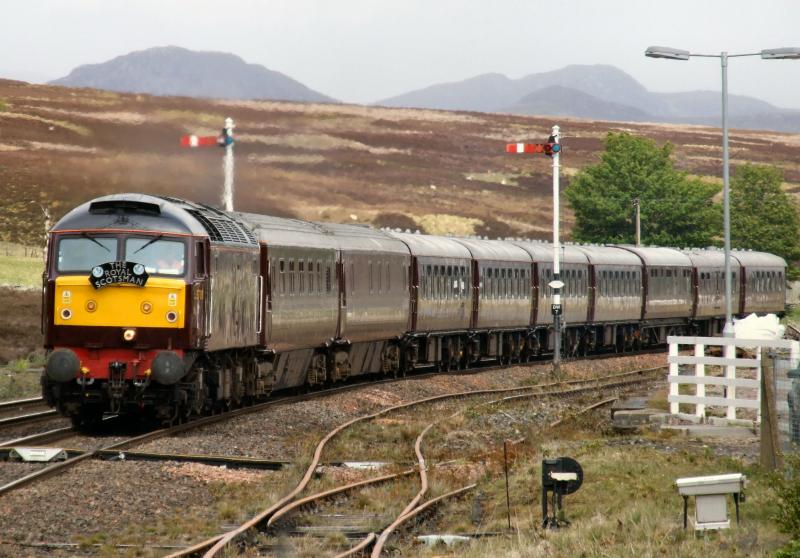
(427, 278)
(369, 271)
(328, 278)
(352, 278)
(281, 264)
(310, 277)
(301, 266)
(291, 277)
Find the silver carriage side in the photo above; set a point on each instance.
(667, 282)
(503, 273)
(441, 283)
(373, 269)
(763, 282)
(709, 287)
(575, 275)
(616, 281)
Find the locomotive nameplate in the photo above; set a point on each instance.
(118, 273)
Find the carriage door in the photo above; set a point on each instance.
(265, 297)
(341, 279)
(413, 291)
(476, 293)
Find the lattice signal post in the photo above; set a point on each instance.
(225, 139)
(552, 149)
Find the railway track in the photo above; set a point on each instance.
(289, 503)
(55, 435)
(58, 434)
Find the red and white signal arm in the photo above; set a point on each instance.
(199, 141)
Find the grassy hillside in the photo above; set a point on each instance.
(436, 171)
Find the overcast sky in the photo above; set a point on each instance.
(366, 50)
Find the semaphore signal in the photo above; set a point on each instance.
(552, 149)
(547, 148)
(224, 139)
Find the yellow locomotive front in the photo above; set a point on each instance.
(121, 286)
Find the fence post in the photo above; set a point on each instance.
(674, 408)
(770, 444)
(760, 359)
(700, 372)
(730, 373)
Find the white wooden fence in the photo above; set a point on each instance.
(728, 380)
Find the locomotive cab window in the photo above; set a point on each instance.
(82, 254)
(158, 255)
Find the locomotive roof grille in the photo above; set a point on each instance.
(105, 207)
(223, 229)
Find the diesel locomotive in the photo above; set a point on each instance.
(167, 308)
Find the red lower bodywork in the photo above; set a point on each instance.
(97, 361)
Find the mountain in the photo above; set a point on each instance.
(565, 101)
(600, 92)
(495, 92)
(178, 71)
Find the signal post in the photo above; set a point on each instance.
(224, 139)
(552, 149)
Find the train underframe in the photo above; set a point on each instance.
(222, 380)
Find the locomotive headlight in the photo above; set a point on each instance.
(91, 305)
(66, 314)
(147, 307)
(129, 334)
(172, 316)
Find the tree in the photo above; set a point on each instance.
(764, 217)
(675, 210)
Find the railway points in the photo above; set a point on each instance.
(214, 546)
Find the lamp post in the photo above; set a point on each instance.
(769, 54)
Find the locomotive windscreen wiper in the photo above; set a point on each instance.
(148, 243)
(93, 239)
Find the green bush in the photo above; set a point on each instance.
(787, 491)
(791, 550)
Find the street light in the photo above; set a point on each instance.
(669, 53)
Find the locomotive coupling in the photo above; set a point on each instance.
(167, 368)
(62, 365)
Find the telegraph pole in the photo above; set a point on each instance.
(638, 222)
(552, 149)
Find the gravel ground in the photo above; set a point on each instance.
(134, 502)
